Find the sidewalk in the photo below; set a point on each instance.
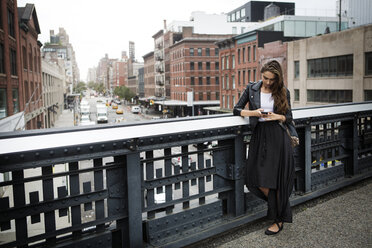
(337, 220)
(66, 119)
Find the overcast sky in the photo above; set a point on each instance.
(97, 27)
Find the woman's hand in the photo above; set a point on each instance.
(256, 113)
(271, 116)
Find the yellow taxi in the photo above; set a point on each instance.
(119, 111)
(114, 106)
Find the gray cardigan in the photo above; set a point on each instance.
(252, 95)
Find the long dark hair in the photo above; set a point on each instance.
(279, 92)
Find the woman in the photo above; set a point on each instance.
(270, 167)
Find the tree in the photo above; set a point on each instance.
(124, 93)
(80, 87)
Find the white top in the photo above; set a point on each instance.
(267, 103)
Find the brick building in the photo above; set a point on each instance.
(149, 75)
(20, 68)
(31, 67)
(240, 62)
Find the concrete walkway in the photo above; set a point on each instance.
(340, 219)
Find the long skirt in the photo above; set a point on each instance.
(271, 165)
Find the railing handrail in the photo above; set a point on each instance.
(11, 142)
(113, 133)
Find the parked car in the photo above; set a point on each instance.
(136, 110)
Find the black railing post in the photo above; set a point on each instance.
(134, 200)
(307, 161)
(239, 178)
(349, 143)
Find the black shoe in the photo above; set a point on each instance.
(268, 232)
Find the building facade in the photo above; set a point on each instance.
(331, 68)
(20, 68)
(11, 87)
(254, 11)
(31, 67)
(53, 76)
(149, 75)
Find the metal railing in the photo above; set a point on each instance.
(163, 183)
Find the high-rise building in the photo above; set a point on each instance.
(255, 11)
(60, 50)
(132, 51)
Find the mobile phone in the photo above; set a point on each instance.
(264, 113)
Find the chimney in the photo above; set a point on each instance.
(165, 25)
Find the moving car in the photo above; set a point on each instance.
(101, 114)
(136, 109)
(114, 106)
(119, 111)
(85, 121)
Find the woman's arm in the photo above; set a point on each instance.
(243, 100)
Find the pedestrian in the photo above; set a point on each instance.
(270, 167)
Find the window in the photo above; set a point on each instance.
(330, 96)
(249, 54)
(254, 53)
(200, 96)
(223, 101)
(242, 12)
(191, 51)
(233, 101)
(330, 67)
(249, 75)
(15, 101)
(217, 80)
(217, 95)
(191, 66)
(234, 30)
(200, 81)
(233, 61)
(238, 56)
(223, 62)
(208, 80)
(297, 95)
(227, 62)
(24, 56)
(207, 52)
(296, 69)
(11, 25)
(199, 52)
(13, 62)
(368, 61)
(227, 82)
(208, 65)
(233, 81)
(192, 81)
(27, 95)
(2, 59)
(3, 107)
(243, 53)
(30, 59)
(200, 66)
(217, 66)
(368, 95)
(254, 75)
(216, 52)
(223, 82)
(239, 77)
(208, 96)
(243, 77)
(227, 101)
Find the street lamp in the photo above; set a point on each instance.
(190, 97)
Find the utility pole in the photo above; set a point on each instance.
(339, 16)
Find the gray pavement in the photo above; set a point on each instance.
(340, 219)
